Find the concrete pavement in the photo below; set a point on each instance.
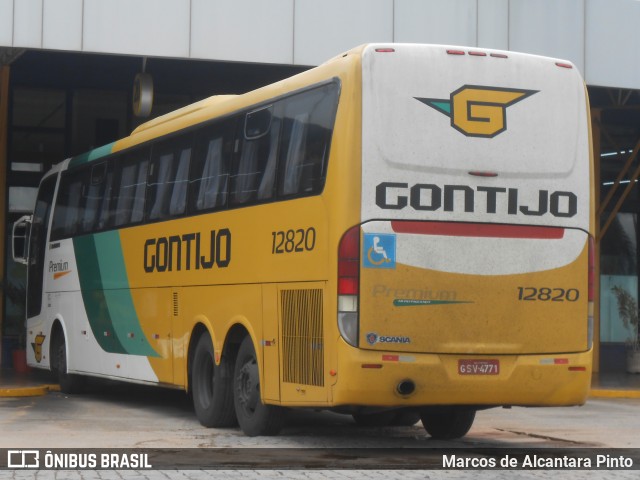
(31, 384)
(137, 417)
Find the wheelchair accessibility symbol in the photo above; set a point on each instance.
(380, 250)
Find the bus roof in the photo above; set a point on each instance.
(215, 100)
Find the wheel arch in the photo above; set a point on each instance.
(196, 332)
(235, 334)
(58, 330)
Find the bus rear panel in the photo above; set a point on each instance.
(474, 240)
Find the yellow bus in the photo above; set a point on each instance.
(404, 232)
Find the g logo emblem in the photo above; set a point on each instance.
(478, 111)
(37, 346)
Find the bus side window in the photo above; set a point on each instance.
(306, 137)
(259, 140)
(131, 188)
(137, 209)
(160, 186)
(295, 159)
(67, 211)
(94, 192)
(125, 198)
(75, 205)
(105, 212)
(178, 202)
(210, 181)
(268, 181)
(169, 179)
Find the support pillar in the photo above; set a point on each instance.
(4, 131)
(595, 135)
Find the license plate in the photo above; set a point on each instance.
(479, 367)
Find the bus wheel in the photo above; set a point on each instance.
(69, 383)
(212, 386)
(379, 419)
(447, 424)
(255, 418)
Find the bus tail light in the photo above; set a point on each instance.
(349, 262)
(349, 285)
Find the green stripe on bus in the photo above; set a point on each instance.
(93, 297)
(404, 302)
(91, 155)
(115, 283)
(106, 296)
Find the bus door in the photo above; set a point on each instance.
(38, 246)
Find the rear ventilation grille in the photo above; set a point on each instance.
(302, 339)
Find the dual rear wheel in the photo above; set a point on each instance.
(211, 386)
(228, 394)
(255, 418)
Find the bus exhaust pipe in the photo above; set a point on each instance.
(406, 387)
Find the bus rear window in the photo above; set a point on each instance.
(306, 136)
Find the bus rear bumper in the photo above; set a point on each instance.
(377, 378)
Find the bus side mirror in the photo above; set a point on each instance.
(19, 239)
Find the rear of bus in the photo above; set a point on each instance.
(467, 281)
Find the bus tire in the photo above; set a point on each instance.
(212, 386)
(449, 423)
(69, 383)
(255, 418)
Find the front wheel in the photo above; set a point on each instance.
(255, 418)
(449, 423)
(69, 383)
